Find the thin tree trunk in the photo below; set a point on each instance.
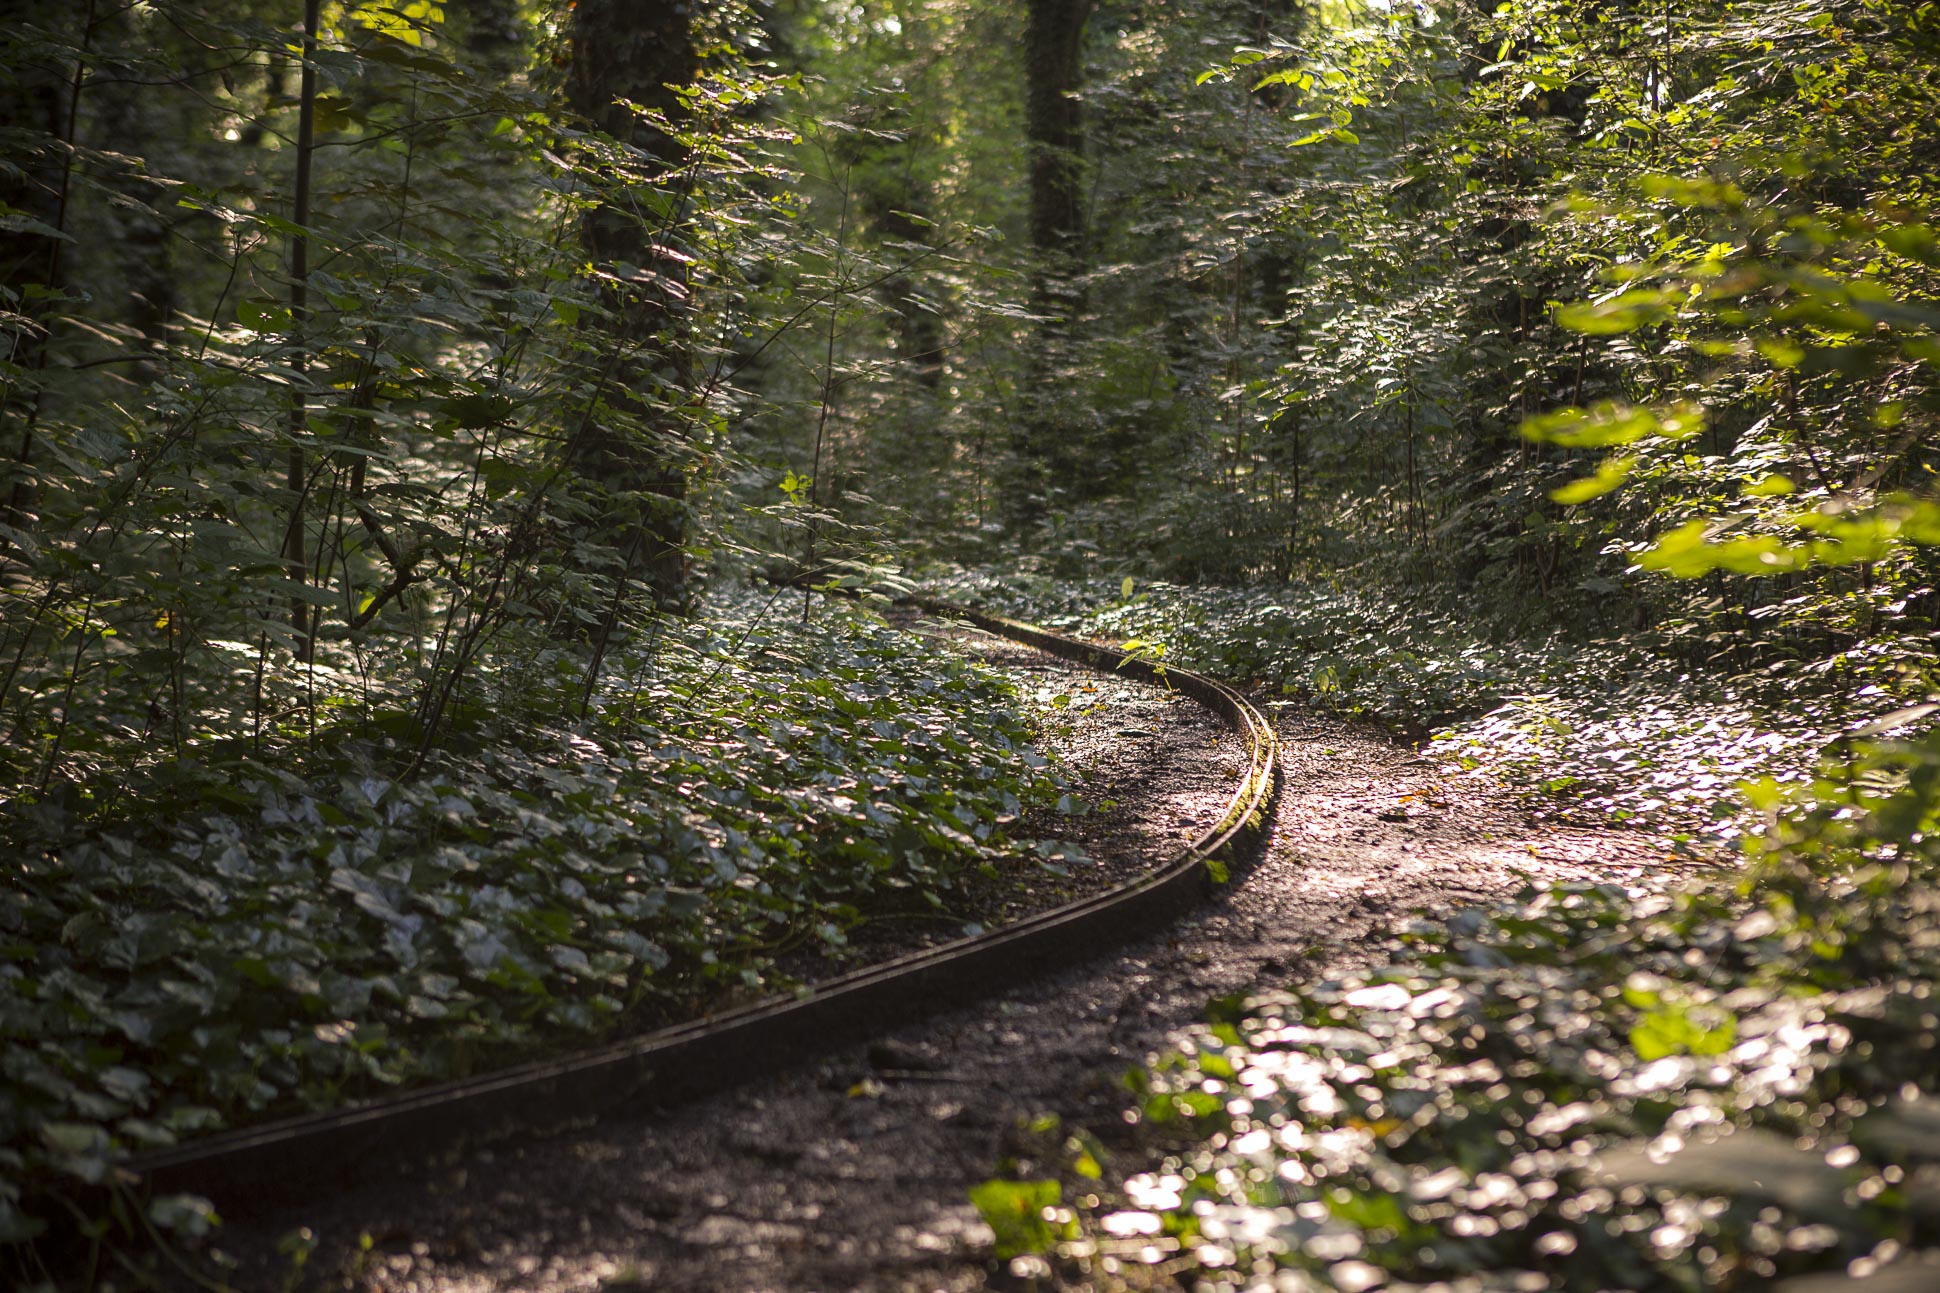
(21, 498)
(297, 466)
(1054, 123)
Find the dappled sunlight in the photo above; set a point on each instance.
(1597, 1086)
(469, 474)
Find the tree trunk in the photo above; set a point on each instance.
(1054, 35)
(1054, 120)
(295, 548)
(639, 51)
(44, 94)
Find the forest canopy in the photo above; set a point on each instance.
(391, 334)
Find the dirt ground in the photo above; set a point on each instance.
(852, 1174)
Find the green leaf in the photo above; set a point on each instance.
(1688, 552)
(478, 411)
(1609, 475)
(263, 316)
(15, 221)
(1607, 424)
(1625, 312)
(16, 1227)
(1915, 242)
(1015, 1212)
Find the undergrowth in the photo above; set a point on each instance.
(1594, 1088)
(217, 939)
(1660, 1086)
(1623, 729)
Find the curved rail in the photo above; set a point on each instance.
(280, 1163)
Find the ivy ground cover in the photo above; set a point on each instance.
(267, 937)
(1620, 728)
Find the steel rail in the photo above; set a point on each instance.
(282, 1163)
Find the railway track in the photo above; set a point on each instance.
(284, 1163)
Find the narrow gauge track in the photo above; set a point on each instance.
(279, 1164)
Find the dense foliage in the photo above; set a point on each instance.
(1617, 729)
(211, 949)
(1594, 1088)
(383, 386)
(1698, 243)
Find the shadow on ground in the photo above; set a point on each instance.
(852, 1173)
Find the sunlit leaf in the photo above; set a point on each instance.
(1609, 475)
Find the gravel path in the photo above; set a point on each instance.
(852, 1174)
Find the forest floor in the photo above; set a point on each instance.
(853, 1173)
